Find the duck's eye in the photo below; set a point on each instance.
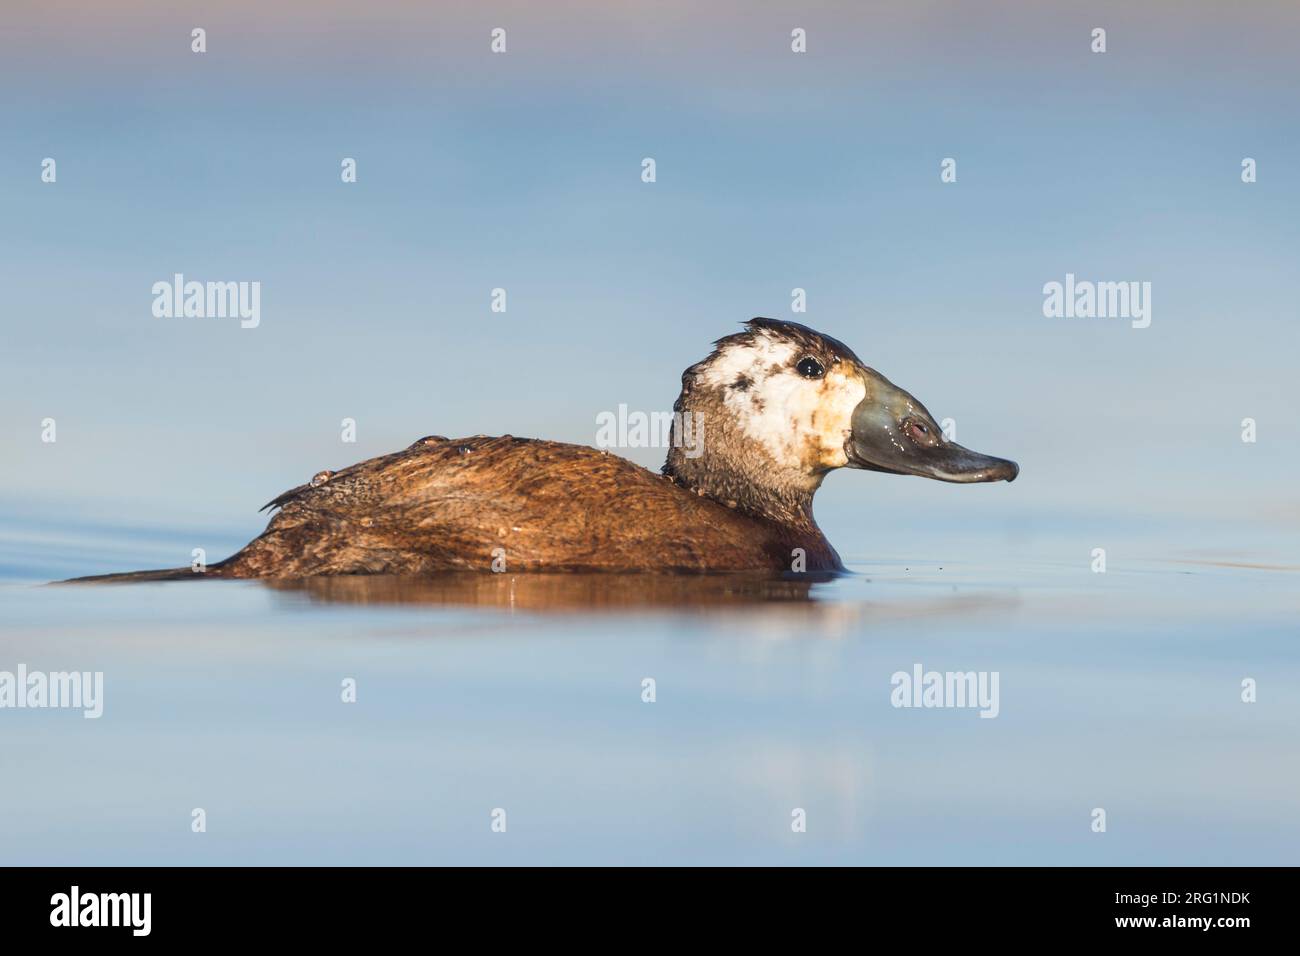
(810, 368)
(918, 431)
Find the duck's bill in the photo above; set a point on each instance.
(892, 432)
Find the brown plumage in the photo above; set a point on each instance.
(456, 504)
(782, 405)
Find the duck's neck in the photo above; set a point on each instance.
(744, 485)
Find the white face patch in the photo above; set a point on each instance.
(801, 422)
(750, 360)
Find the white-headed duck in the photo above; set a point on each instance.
(782, 405)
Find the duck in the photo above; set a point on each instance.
(779, 406)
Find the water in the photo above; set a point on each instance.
(1119, 691)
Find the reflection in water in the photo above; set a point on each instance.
(763, 605)
(557, 592)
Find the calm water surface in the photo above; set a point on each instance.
(1119, 690)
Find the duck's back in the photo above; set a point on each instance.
(514, 504)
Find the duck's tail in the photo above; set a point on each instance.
(140, 577)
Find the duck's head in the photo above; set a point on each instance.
(781, 405)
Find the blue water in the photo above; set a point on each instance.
(1119, 691)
